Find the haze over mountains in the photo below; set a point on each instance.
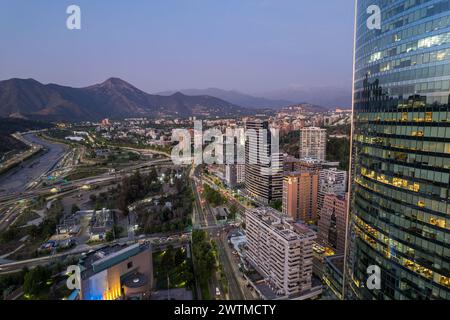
(235, 97)
(116, 98)
(329, 97)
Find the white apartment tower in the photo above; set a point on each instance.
(240, 173)
(280, 250)
(313, 143)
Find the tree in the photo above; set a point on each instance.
(179, 257)
(233, 211)
(35, 280)
(168, 258)
(277, 205)
(339, 150)
(10, 234)
(75, 209)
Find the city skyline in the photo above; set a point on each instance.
(110, 190)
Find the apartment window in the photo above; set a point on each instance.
(130, 265)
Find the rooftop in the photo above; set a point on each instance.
(108, 256)
(282, 224)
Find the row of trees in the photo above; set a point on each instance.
(176, 265)
(204, 259)
(213, 197)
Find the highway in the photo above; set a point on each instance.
(12, 200)
(158, 243)
(17, 179)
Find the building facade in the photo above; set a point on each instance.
(332, 222)
(300, 191)
(400, 204)
(117, 272)
(313, 143)
(280, 250)
(263, 169)
(240, 173)
(331, 180)
(231, 175)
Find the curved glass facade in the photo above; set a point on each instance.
(400, 205)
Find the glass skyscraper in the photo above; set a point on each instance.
(400, 205)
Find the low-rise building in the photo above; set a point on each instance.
(117, 272)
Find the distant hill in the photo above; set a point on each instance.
(235, 97)
(303, 107)
(327, 96)
(114, 98)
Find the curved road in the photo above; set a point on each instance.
(16, 180)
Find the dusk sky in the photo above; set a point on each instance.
(254, 46)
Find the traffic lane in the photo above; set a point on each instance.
(16, 180)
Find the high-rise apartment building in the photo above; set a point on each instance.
(281, 251)
(313, 143)
(331, 180)
(240, 173)
(400, 204)
(300, 191)
(332, 222)
(231, 175)
(263, 167)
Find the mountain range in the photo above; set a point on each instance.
(327, 96)
(114, 98)
(235, 97)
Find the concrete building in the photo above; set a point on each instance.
(313, 143)
(281, 251)
(101, 222)
(300, 190)
(333, 274)
(240, 173)
(332, 222)
(331, 180)
(263, 170)
(117, 272)
(231, 175)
